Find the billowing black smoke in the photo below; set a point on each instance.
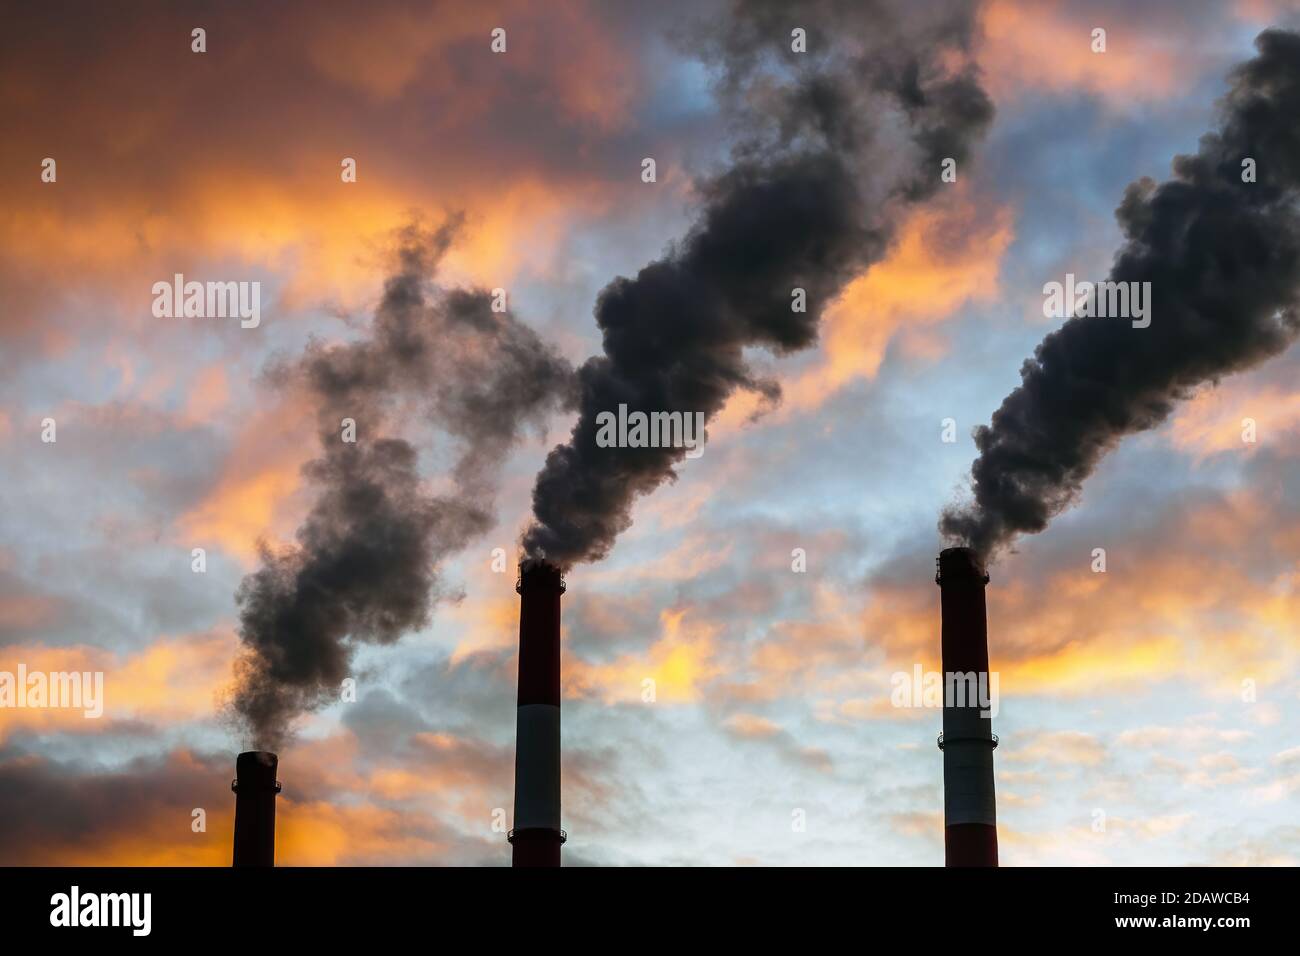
(365, 566)
(1223, 260)
(835, 142)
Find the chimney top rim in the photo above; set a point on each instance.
(960, 564)
(539, 572)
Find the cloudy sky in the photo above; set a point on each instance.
(1155, 697)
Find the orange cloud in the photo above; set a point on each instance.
(752, 725)
(679, 662)
(254, 496)
(1205, 618)
(133, 818)
(1216, 419)
(171, 680)
(435, 121)
(327, 834)
(828, 636)
(1263, 12)
(157, 829)
(1045, 45)
(698, 554)
(393, 49)
(1066, 747)
(491, 622)
(209, 393)
(26, 612)
(947, 255)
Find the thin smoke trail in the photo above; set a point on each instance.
(364, 568)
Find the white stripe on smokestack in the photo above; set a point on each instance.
(536, 837)
(969, 808)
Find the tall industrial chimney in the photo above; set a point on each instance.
(967, 741)
(255, 788)
(537, 836)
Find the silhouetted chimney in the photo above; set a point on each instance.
(967, 741)
(537, 836)
(255, 788)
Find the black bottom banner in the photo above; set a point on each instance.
(221, 907)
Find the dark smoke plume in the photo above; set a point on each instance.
(365, 566)
(1223, 260)
(835, 142)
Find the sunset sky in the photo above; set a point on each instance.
(1122, 692)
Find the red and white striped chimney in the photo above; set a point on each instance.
(967, 742)
(536, 837)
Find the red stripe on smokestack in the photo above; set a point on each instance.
(969, 808)
(255, 788)
(537, 836)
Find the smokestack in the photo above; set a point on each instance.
(255, 788)
(537, 836)
(967, 741)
